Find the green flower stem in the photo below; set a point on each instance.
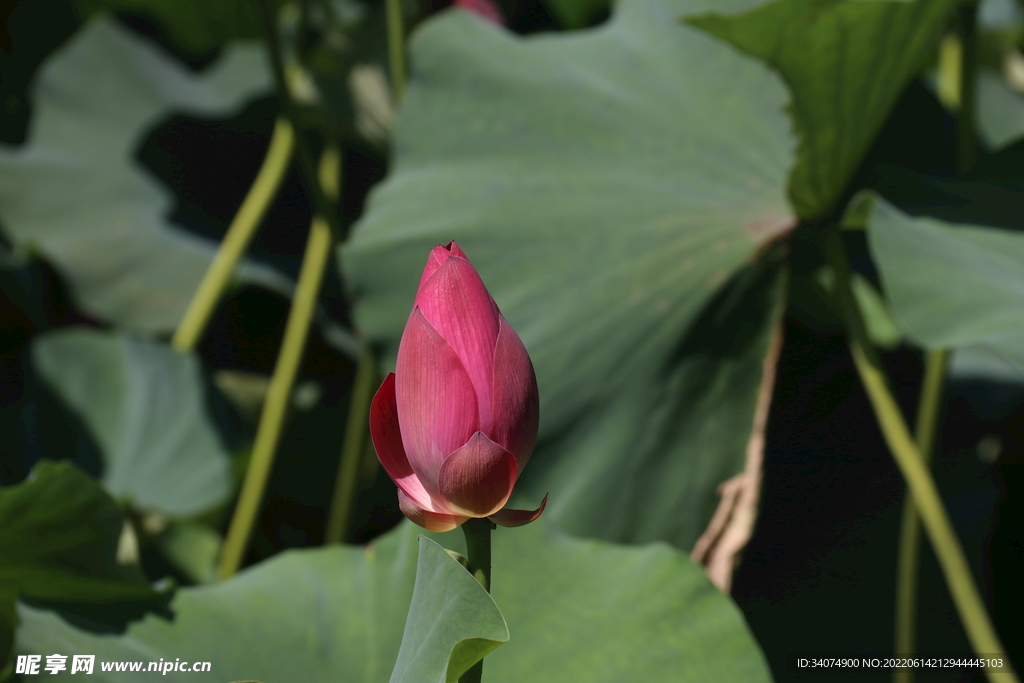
(478, 556)
(908, 557)
(478, 549)
(396, 47)
(314, 262)
(340, 516)
(925, 431)
(922, 487)
(318, 249)
(929, 408)
(238, 236)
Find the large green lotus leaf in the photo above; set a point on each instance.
(951, 286)
(1000, 111)
(75, 193)
(578, 612)
(59, 543)
(607, 184)
(196, 25)
(983, 363)
(144, 404)
(452, 624)
(645, 464)
(846, 62)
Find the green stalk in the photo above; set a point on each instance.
(318, 249)
(237, 239)
(268, 433)
(342, 502)
(966, 27)
(478, 556)
(908, 562)
(396, 47)
(925, 430)
(953, 562)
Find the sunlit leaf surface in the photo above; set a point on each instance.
(846, 64)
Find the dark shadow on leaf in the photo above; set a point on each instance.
(100, 618)
(734, 317)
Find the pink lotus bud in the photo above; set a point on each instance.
(485, 8)
(456, 422)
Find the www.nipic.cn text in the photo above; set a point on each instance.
(86, 664)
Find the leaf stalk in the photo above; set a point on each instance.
(339, 518)
(909, 553)
(396, 47)
(237, 238)
(953, 562)
(268, 433)
(966, 27)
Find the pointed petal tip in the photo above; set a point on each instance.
(455, 250)
(511, 518)
(438, 255)
(454, 302)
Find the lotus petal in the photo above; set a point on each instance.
(454, 300)
(508, 517)
(515, 403)
(431, 521)
(387, 441)
(435, 399)
(477, 479)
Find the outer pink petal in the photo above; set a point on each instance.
(509, 517)
(477, 479)
(431, 521)
(516, 405)
(387, 441)
(454, 300)
(436, 402)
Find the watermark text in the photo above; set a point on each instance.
(86, 664)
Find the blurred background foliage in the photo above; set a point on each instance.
(644, 197)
